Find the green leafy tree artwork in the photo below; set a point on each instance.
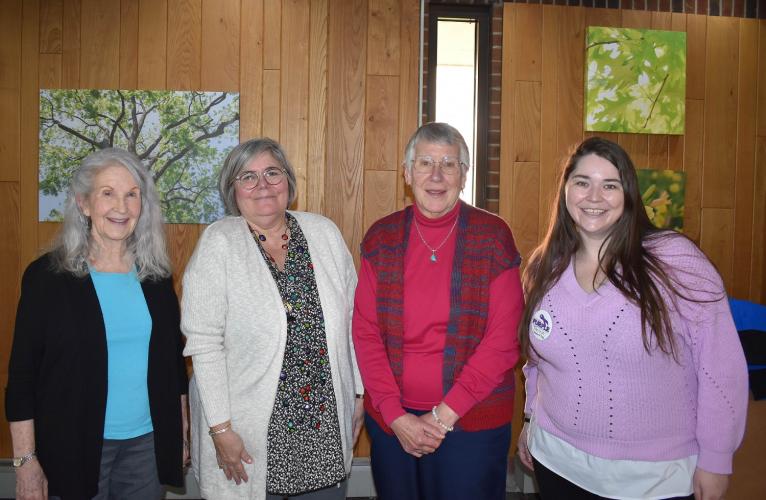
(181, 137)
(635, 81)
(663, 193)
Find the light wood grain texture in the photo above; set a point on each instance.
(272, 34)
(9, 134)
(381, 147)
(758, 259)
(761, 110)
(745, 147)
(347, 52)
(696, 34)
(10, 45)
(152, 43)
(294, 107)
(716, 236)
(747, 482)
(220, 45)
(70, 64)
(184, 46)
(678, 21)
(270, 114)
(637, 146)
(527, 31)
(383, 37)
(640, 19)
(657, 152)
(526, 186)
(720, 112)
(181, 238)
(661, 21)
(129, 21)
(46, 234)
(693, 151)
(379, 195)
(317, 127)
(571, 79)
(507, 112)
(408, 87)
(526, 121)
(51, 17)
(50, 71)
(602, 17)
(251, 70)
(100, 44)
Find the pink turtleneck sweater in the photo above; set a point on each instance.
(426, 313)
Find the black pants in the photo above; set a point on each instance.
(551, 486)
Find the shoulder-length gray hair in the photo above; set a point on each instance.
(74, 242)
(437, 133)
(238, 159)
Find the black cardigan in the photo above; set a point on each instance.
(57, 376)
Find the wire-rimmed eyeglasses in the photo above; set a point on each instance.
(249, 180)
(450, 165)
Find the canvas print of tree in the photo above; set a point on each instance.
(635, 81)
(663, 193)
(181, 137)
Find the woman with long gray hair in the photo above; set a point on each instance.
(97, 384)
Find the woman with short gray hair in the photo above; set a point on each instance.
(267, 304)
(96, 395)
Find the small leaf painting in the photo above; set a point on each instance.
(663, 192)
(635, 81)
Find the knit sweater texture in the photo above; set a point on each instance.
(236, 329)
(596, 387)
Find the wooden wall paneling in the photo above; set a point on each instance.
(379, 195)
(10, 84)
(51, 18)
(152, 43)
(636, 145)
(294, 108)
(271, 100)
(383, 37)
(526, 121)
(251, 70)
(382, 116)
(220, 45)
(678, 21)
(761, 110)
(409, 47)
(347, 52)
(46, 232)
(9, 288)
(693, 155)
(70, 63)
(272, 34)
(100, 44)
(661, 21)
(696, 34)
(50, 71)
(640, 19)
(602, 17)
(720, 107)
(657, 152)
(526, 199)
(527, 31)
(745, 156)
(747, 482)
(184, 44)
(181, 240)
(507, 110)
(716, 236)
(317, 126)
(29, 121)
(129, 20)
(571, 79)
(676, 142)
(757, 264)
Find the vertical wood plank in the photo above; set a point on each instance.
(571, 79)
(271, 100)
(30, 116)
(220, 45)
(526, 184)
(379, 195)
(602, 17)
(51, 18)
(50, 71)
(10, 93)
(294, 108)
(70, 64)
(129, 43)
(720, 105)
(347, 52)
(10, 139)
(527, 29)
(507, 111)
(317, 131)
(757, 264)
(46, 233)
(693, 153)
(761, 110)
(272, 34)
(251, 70)
(716, 236)
(181, 238)
(638, 19)
(383, 37)
(661, 21)
(380, 152)
(658, 152)
(696, 36)
(527, 121)
(10, 45)
(408, 87)
(100, 44)
(745, 157)
(152, 43)
(184, 50)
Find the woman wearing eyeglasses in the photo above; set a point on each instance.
(437, 306)
(266, 310)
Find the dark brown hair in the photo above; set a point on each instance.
(627, 264)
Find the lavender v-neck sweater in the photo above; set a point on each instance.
(597, 388)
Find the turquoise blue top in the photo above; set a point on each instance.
(128, 329)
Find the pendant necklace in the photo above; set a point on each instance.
(261, 238)
(434, 250)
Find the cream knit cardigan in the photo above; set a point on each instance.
(236, 328)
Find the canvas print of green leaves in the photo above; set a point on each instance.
(181, 137)
(635, 81)
(663, 192)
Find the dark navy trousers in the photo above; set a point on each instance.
(466, 466)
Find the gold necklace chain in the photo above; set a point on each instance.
(434, 250)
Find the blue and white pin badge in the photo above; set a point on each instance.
(541, 324)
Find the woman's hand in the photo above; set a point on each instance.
(709, 485)
(524, 455)
(186, 453)
(358, 418)
(31, 483)
(417, 435)
(231, 452)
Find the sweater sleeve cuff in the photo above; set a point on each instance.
(715, 461)
(460, 400)
(391, 409)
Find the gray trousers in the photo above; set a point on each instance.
(129, 470)
(334, 492)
